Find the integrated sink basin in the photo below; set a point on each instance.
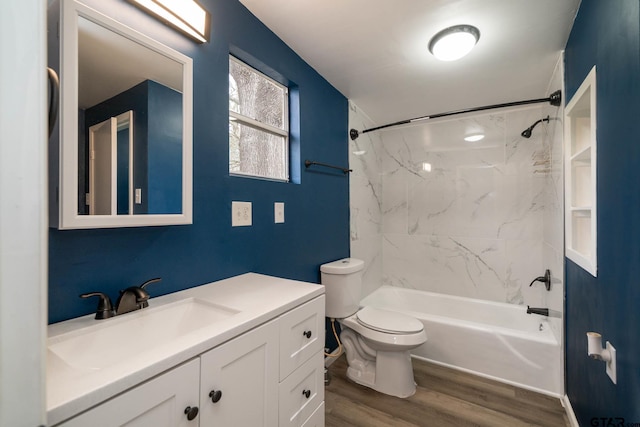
(121, 338)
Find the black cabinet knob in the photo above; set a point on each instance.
(215, 395)
(307, 334)
(191, 412)
(306, 393)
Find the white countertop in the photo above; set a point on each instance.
(256, 298)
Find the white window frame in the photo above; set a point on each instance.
(248, 121)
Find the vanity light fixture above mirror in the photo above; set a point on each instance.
(185, 15)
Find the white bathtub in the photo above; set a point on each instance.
(495, 340)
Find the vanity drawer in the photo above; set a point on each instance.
(316, 419)
(302, 392)
(301, 335)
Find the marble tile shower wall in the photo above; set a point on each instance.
(365, 199)
(466, 218)
(553, 214)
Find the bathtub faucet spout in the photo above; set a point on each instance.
(540, 311)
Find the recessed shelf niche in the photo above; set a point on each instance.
(580, 176)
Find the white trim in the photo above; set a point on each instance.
(566, 403)
(258, 125)
(23, 213)
(68, 205)
(575, 112)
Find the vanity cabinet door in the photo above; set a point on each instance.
(239, 381)
(160, 402)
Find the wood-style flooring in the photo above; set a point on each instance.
(444, 397)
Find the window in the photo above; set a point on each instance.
(258, 124)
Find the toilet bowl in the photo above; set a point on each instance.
(381, 359)
(376, 342)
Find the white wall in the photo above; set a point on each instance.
(365, 198)
(483, 223)
(473, 225)
(553, 214)
(23, 244)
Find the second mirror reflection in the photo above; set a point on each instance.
(130, 126)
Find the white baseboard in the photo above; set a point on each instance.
(569, 410)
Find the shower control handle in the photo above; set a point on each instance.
(307, 334)
(546, 279)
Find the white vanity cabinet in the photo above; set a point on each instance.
(160, 402)
(242, 377)
(301, 388)
(271, 375)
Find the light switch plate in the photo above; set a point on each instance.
(278, 212)
(611, 365)
(240, 214)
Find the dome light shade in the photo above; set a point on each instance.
(454, 42)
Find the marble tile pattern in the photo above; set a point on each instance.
(466, 218)
(365, 195)
(553, 214)
(433, 212)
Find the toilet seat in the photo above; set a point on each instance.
(388, 321)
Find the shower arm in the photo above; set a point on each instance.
(554, 99)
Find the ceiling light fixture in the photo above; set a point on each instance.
(474, 138)
(454, 42)
(186, 15)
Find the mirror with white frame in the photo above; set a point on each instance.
(126, 125)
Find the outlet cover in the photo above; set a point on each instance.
(611, 365)
(240, 214)
(278, 212)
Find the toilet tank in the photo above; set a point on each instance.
(342, 280)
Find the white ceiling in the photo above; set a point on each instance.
(109, 64)
(375, 51)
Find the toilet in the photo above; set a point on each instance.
(377, 342)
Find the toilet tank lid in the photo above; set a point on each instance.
(343, 266)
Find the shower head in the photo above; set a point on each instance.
(527, 132)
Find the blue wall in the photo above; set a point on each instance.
(134, 99)
(316, 210)
(607, 34)
(157, 129)
(164, 150)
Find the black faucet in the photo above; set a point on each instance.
(131, 299)
(540, 311)
(134, 298)
(105, 308)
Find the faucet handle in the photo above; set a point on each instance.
(144, 302)
(150, 281)
(105, 308)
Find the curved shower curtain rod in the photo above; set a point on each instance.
(554, 99)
